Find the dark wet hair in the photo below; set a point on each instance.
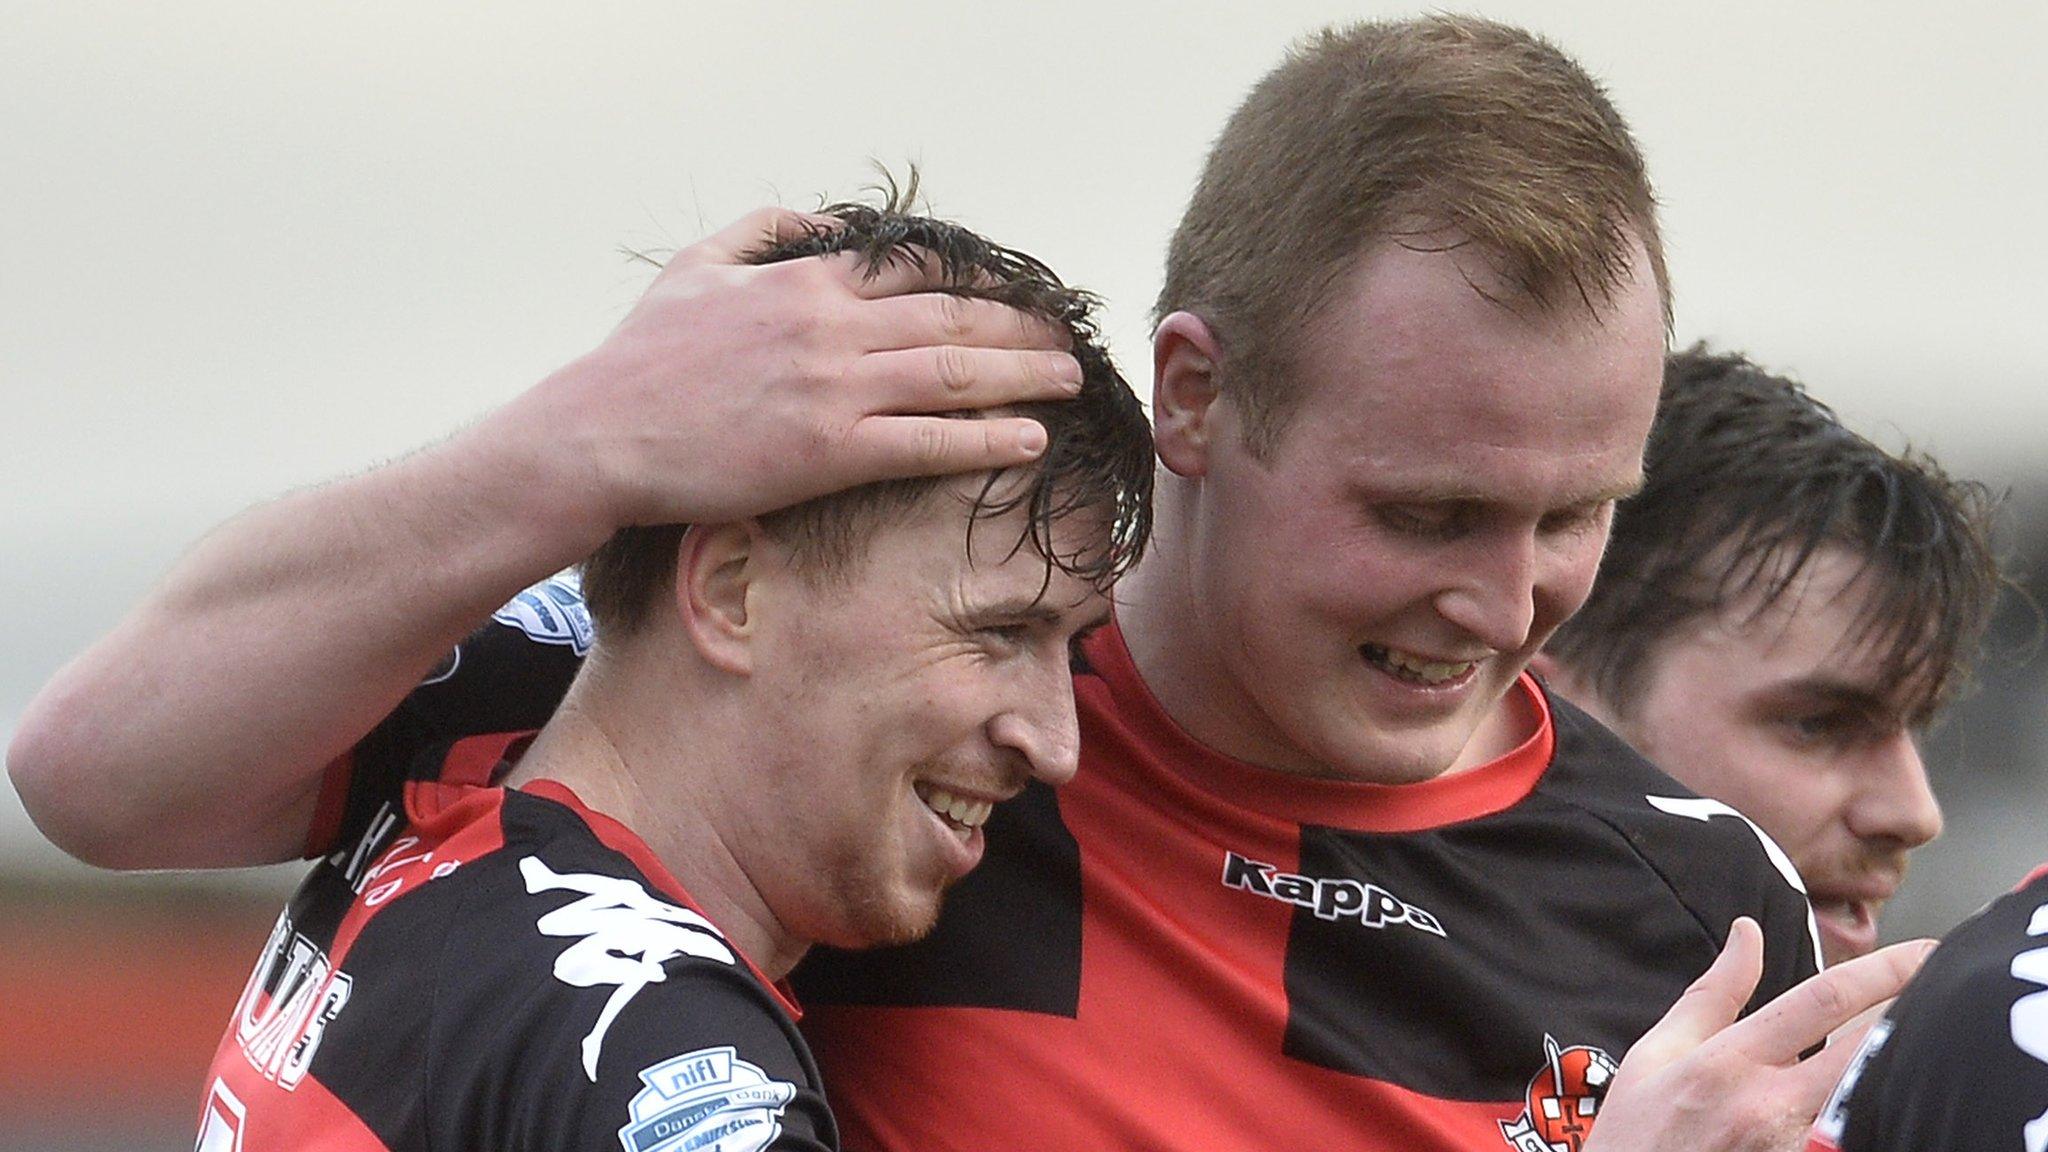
(1746, 478)
(1098, 457)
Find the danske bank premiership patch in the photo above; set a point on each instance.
(706, 1101)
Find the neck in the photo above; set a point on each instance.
(1176, 642)
(635, 748)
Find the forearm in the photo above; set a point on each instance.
(195, 733)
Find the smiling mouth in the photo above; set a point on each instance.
(1414, 669)
(962, 814)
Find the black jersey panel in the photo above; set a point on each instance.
(1009, 934)
(1544, 932)
(507, 676)
(1952, 1074)
(1579, 914)
(472, 1024)
(1719, 866)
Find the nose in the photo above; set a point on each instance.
(1896, 802)
(1492, 596)
(1040, 724)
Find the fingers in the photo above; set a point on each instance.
(1779, 1031)
(1710, 1005)
(925, 318)
(890, 447)
(1813, 1078)
(952, 377)
(750, 233)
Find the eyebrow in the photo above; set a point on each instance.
(1034, 609)
(1432, 494)
(1847, 693)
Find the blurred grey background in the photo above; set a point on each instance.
(246, 246)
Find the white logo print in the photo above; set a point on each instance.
(552, 612)
(2030, 1016)
(281, 1035)
(706, 1101)
(626, 937)
(1329, 898)
(1702, 809)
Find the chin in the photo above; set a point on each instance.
(887, 923)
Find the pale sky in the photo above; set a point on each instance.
(254, 245)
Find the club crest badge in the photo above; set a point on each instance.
(1562, 1101)
(706, 1101)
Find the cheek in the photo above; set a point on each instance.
(1569, 580)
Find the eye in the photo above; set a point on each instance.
(1576, 519)
(1007, 636)
(1423, 521)
(1833, 727)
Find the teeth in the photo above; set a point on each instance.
(964, 813)
(1844, 910)
(1416, 668)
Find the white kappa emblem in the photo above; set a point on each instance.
(625, 935)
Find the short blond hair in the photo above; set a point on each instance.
(1385, 130)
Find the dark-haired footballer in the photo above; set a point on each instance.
(1783, 608)
(790, 729)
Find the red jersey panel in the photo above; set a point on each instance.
(1250, 960)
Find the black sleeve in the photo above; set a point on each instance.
(1961, 1061)
(695, 1061)
(1717, 862)
(611, 1020)
(509, 675)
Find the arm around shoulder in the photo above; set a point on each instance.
(196, 732)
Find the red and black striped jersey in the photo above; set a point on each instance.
(477, 967)
(1182, 951)
(1960, 1063)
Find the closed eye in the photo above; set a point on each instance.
(1425, 521)
(1578, 518)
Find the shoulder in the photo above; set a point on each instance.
(617, 1004)
(1716, 861)
(1681, 833)
(1961, 1061)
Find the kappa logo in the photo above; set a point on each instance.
(552, 612)
(624, 937)
(706, 1101)
(1562, 1101)
(1330, 899)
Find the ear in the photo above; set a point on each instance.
(718, 572)
(1185, 360)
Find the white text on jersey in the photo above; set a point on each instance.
(1329, 898)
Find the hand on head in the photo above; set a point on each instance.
(733, 388)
